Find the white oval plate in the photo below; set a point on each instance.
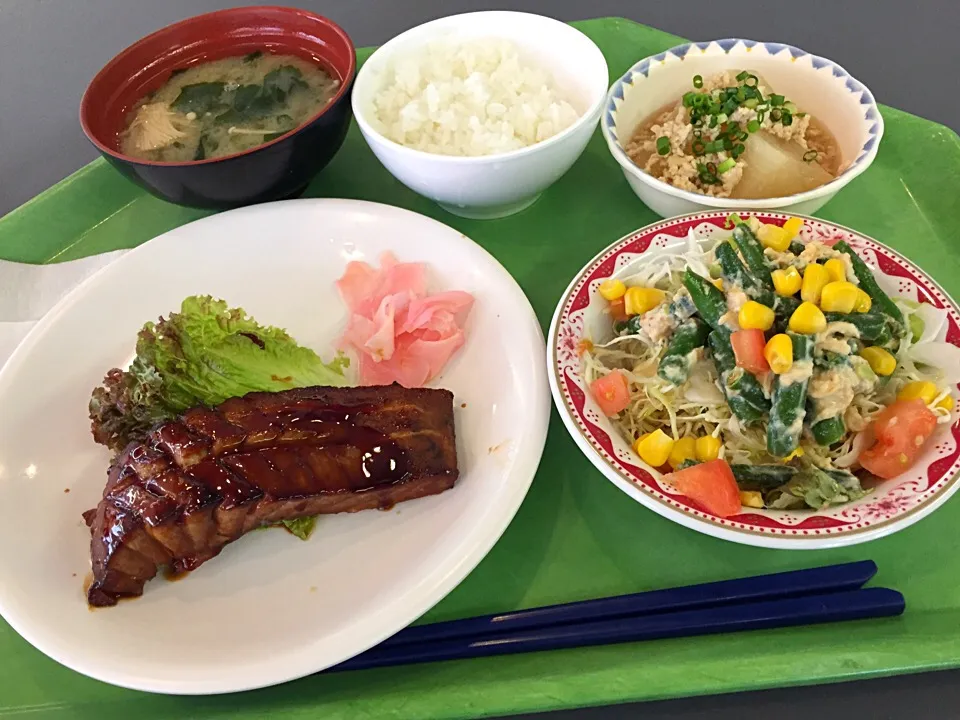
(270, 608)
(894, 504)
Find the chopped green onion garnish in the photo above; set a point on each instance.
(713, 121)
(738, 149)
(751, 103)
(750, 80)
(663, 145)
(777, 100)
(761, 115)
(790, 107)
(688, 99)
(699, 147)
(753, 126)
(698, 133)
(787, 119)
(698, 81)
(810, 155)
(721, 118)
(800, 115)
(727, 144)
(726, 165)
(743, 76)
(741, 95)
(776, 114)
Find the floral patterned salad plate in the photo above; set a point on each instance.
(582, 320)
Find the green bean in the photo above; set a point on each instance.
(736, 274)
(710, 302)
(788, 407)
(829, 431)
(630, 326)
(783, 308)
(744, 394)
(875, 328)
(752, 252)
(678, 358)
(762, 477)
(828, 359)
(868, 282)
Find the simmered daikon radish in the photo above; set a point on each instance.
(734, 136)
(776, 168)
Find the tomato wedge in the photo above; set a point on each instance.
(901, 430)
(711, 485)
(748, 348)
(611, 393)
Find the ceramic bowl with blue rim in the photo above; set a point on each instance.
(816, 85)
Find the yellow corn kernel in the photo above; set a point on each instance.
(807, 319)
(795, 454)
(838, 297)
(786, 282)
(638, 300)
(881, 362)
(708, 448)
(947, 403)
(815, 278)
(919, 390)
(836, 269)
(773, 237)
(864, 302)
(754, 316)
(654, 448)
(751, 499)
(718, 283)
(612, 289)
(683, 449)
(792, 227)
(779, 353)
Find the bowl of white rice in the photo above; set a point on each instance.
(481, 112)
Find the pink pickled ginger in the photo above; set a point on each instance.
(401, 333)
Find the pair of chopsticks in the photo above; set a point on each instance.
(801, 597)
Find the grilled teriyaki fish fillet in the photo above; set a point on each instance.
(199, 483)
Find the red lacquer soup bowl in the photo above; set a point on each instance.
(277, 169)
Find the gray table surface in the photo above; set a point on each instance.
(906, 52)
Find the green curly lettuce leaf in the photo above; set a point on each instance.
(817, 489)
(301, 527)
(204, 354)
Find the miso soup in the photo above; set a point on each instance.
(226, 106)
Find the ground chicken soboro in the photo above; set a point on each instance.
(681, 168)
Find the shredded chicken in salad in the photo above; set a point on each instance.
(769, 373)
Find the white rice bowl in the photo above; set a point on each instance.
(470, 97)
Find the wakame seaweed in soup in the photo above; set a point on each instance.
(226, 106)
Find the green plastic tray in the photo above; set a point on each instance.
(576, 536)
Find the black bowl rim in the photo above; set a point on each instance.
(345, 87)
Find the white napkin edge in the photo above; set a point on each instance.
(28, 292)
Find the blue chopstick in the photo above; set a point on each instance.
(845, 576)
(761, 615)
